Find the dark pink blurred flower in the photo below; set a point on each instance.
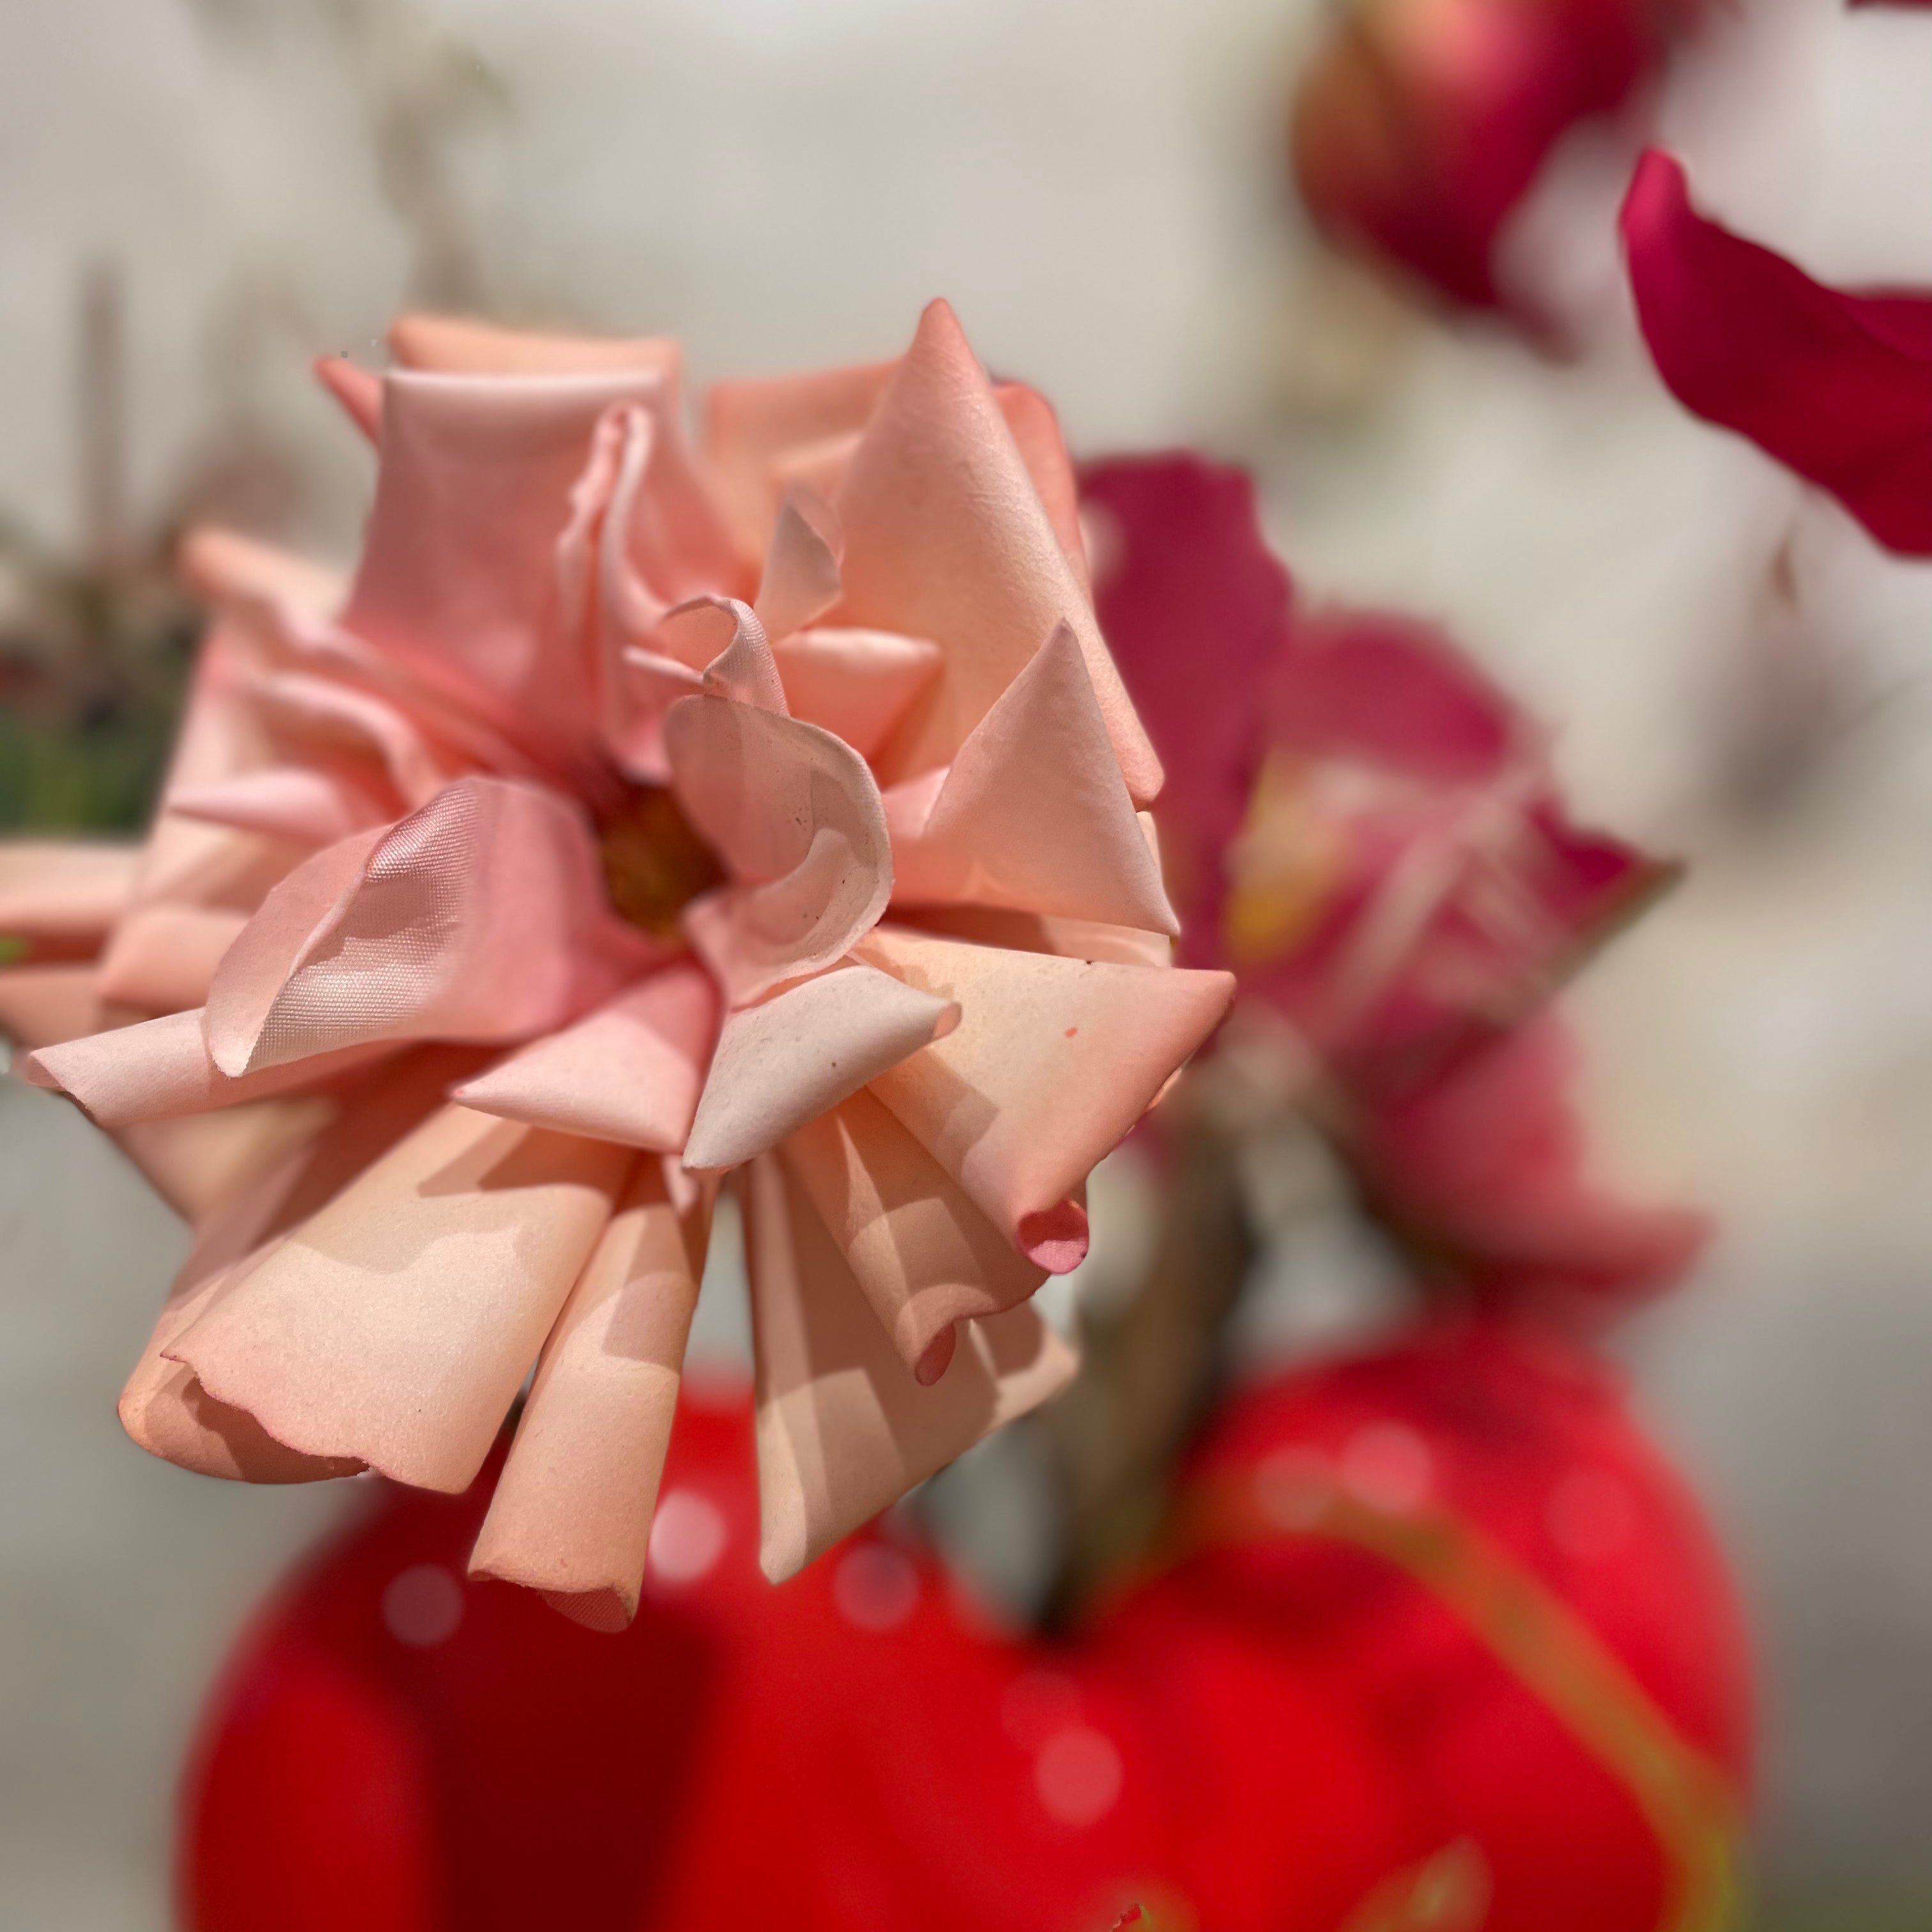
(1373, 837)
(1837, 386)
(1420, 124)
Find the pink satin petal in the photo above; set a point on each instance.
(305, 806)
(164, 1409)
(801, 579)
(454, 345)
(1035, 433)
(843, 1429)
(481, 917)
(359, 390)
(924, 1256)
(571, 1514)
(317, 717)
(946, 538)
(395, 1325)
(68, 894)
(1030, 932)
(226, 567)
(857, 684)
(1032, 815)
(796, 816)
(164, 957)
(159, 1069)
(752, 426)
(630, 1072)
(458, 581)
(725, 633)
(41, 1005)
(1054, 1060)
(779, 1064)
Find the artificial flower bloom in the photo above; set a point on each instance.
(1836, 385)
(1419, 125)
(1435, 1627)
(1384, 860)
(642, 812)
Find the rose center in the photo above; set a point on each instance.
(655, 864)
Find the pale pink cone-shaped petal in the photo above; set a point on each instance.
(925, 1257)
(1036, 432)
(946, 538)
(395, 1325)
(164, 1409)
(751, 427)
(1053, 1061)
(1032, 932)
(801, 574)
(806, 1049)
(458, 581)
(160, 1069)
(305, 805)
(455, 345)
(359, 390)
(630, 1072)
(1033, 815)
(796, 816)
(41, 1005)
(857, 684)
(65, 896)
(571, 1514)
(843, 1429)
(481, 917)
(198, 1162)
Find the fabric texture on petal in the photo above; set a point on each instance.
(843, 1429)
(396, 1324)
(571, 1514)
(857, 684)
(806, 1049)
(946, 538)
(1033, 815)
(801, 580)
(481, 917)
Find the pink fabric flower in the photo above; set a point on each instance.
(1381, 853)
(642, 812)
(1419, 125)
(1836, 386)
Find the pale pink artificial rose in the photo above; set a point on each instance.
(646, 810)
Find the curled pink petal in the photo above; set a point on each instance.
(481, 917)
(630, 1072)
(571, 1512)
(1033, 815)
(359, 390)
(923, 1256)
(41, 1006)
(1036, 434)
(843, 1429)
(1053, 1060)
(455, 345)
(796, 816)
(726, 634)
(303, 806)
(394, 1326)
(781, 1063)
(159, 1069)
(946, 538)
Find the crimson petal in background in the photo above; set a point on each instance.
(1837, 386)
(1196, 609)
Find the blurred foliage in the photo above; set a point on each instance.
(1856, 1911)
(93, 664)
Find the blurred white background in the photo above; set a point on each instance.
(1097, 185)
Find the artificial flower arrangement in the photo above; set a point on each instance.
(644, 812)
